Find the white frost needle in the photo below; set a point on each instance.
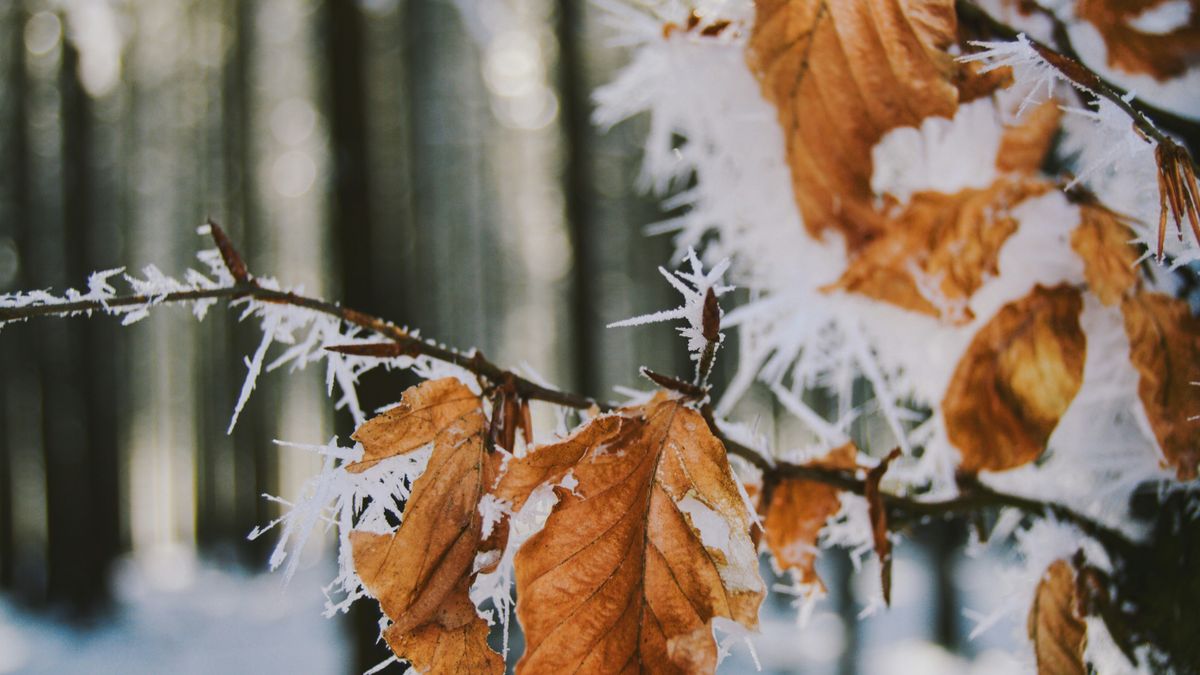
(694, 286)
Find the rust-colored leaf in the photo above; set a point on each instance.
(1057, 631)
(1164, 346)
(842, 74)
(1024, 145)
(424, 411)
(1103, 241)
(797, 513)
(1162, 56)
(940, 248)
(879, 524)
(1016, 379)
(635, 561)
(421, 573)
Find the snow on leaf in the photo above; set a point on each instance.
(1106, 146)
(1057, 631)
(1019, 375)
(1162, 54)
(621, 575)
(841, 74)
(1164, 339)
(421, 573)
(937, 252)
(930, 157)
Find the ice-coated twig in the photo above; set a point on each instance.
(973, 495)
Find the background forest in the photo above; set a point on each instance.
(433, 162)
(439, 147)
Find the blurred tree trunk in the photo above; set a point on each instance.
(369, 271)
(615, 273)
(14, 349)
(82, 464)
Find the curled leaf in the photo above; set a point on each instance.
(797, 513)
(1164, 346)
(939, 249)
(1057, 631)
(650, 544)
(841, 74)
(1016, 379)
(1104, 242)
(421, 573)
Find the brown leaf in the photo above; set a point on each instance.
(637, 559)
(424, 411)
(842, 74)
(1103, 241)
(1024, 145)
(948, 243)
(1164, 346)
(797, 513)
(1162, 56)
(879, 524)
(1016, 379)
(1057, 631)
(421, 573)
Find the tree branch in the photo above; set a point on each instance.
(1066, 61)
(973, 496)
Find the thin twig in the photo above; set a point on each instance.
(973, 496)
(407, 344)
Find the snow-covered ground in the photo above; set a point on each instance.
(179, 616)
(892, 641)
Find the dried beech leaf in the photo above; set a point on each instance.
(797, 514)
(1024, 145)
(1162, 56)
(938, 250)
(1104, 242)
(879, 524)
(1164, 346)
(1058, 633)
(421, 573)
(634, 562)
(842, 74)
(1016, 379)
(424, 411)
